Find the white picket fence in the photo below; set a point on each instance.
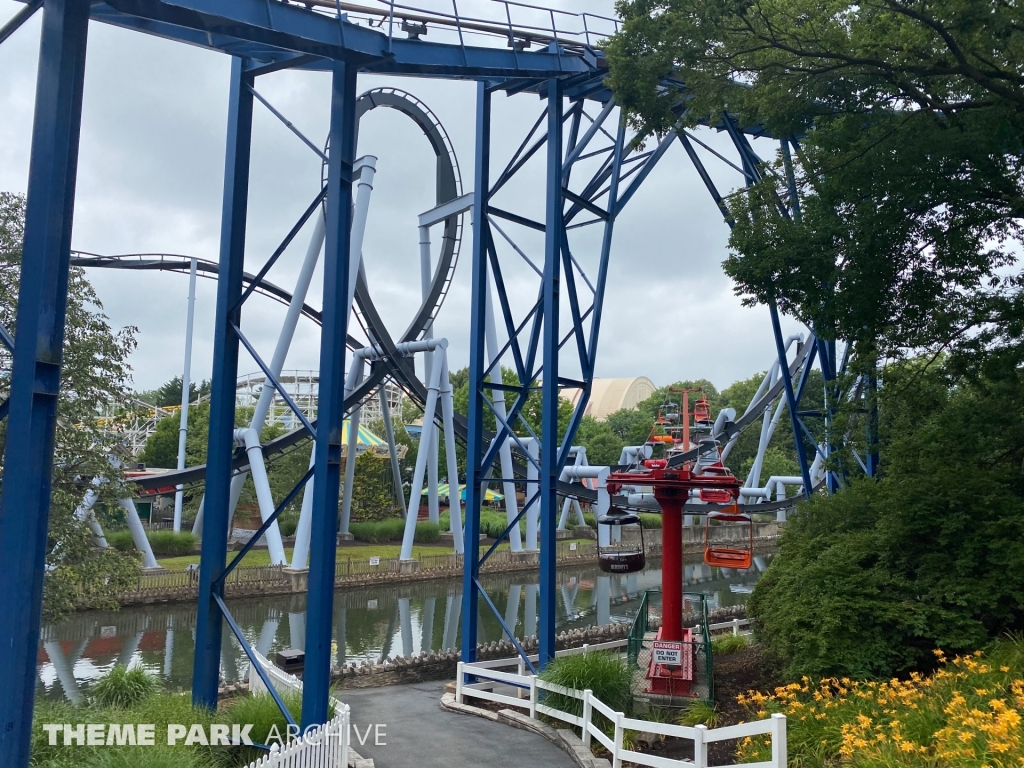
(325, 746)
(735, 625)
(700, 735)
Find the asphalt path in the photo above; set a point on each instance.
(403, 726)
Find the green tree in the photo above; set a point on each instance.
(169, 393)
(870, 580)
(95, 373)
(909, 117)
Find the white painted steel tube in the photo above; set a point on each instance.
(250, 439)
(352, 380)
(448, 415)
(186, 375)
(139, 537)
(433, 387)
(389, 432)
(505, 451)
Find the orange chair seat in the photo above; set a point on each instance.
(727, 557)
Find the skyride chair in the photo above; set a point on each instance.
(729, 556)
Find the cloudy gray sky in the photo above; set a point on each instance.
(150, 180)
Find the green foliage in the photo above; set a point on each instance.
(269, 723)
(699, 713)
(120, 540)
(160, 709)
(607, 676)
(124, 687)
(726, 644)
(373, 490)
(288, 521)
(869, 581)
(908, 172)
(95, 374)
(382, 531)
(172, 544)
(169, 393)
(166, 543)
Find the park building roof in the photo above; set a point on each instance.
(609, 395)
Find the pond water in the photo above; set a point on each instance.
(370, 623)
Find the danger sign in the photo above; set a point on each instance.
(668, 653)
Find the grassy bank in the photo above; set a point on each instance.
(967, 714)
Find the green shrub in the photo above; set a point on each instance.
(288, 521)
(699, 713)
(726, 644)
(378, 531)
(120, 540)
(427, 532)
(263, 713)
(382, 531)
(650, 520)
(606, 675)
(171, 544)
(124, 687)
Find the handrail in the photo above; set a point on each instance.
(700, 735)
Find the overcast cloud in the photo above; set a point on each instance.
(151, 174)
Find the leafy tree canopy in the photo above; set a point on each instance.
(869, 581)
(95, 372)
(908, 116)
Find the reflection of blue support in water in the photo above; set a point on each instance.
(530, 619)
(452, 610)
(427, 643)
(128, 652)
(405, 622)
(569, 599)
(228, 659)
(64, 667)
(267, 635)
(515, 594)
(342, 615)
(168, 648)
(603, 595)
(632, 590)
(297, 629)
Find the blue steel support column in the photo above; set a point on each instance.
(330, 411)
(221, 444)
(39, 341)
(477, 366)
(554, 231)
(791, 401)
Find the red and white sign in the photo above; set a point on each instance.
(668, 653)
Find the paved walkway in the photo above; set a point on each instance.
(419, 734)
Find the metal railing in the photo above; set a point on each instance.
(519, 25)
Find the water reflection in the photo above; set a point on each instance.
(370, 623)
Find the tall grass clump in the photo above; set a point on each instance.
(383, 531)
(171, 544)
(164, 543)
(969, 713)
(725, 644)
(606, 675)
(124, 687)
(378, 531)
(268, 722)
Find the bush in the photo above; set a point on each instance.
(171, 544)
(164, 543)
(726, 644)
(607, 676)
(869, 581)
(288, 521)
(699, 713)
(266, 718)
(382, 531)
(120, 540)
(124, 687)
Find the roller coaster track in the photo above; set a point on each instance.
(398, 368)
